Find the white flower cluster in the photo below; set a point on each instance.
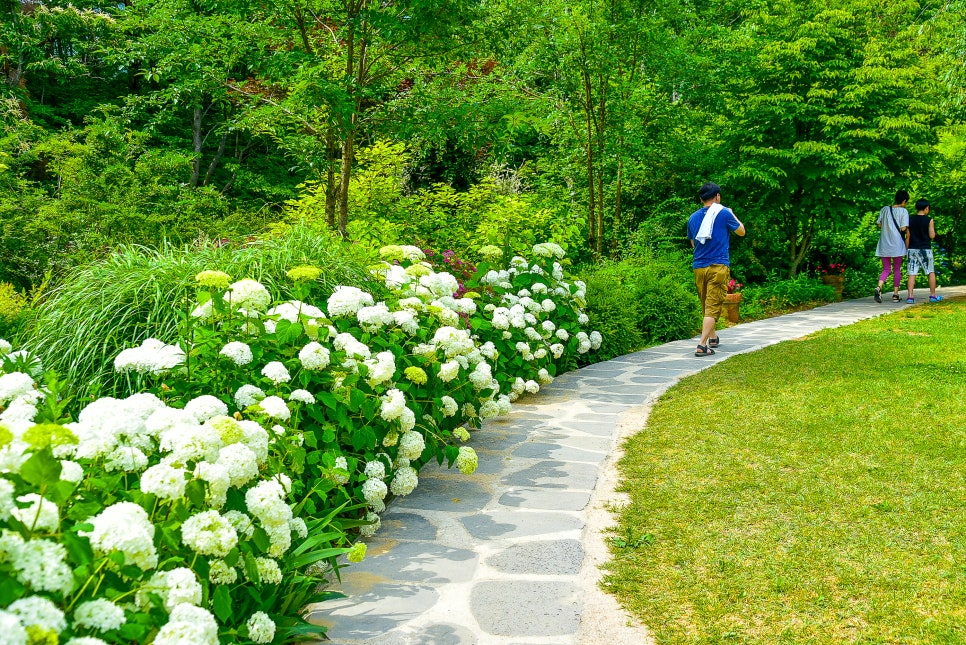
(152, 357)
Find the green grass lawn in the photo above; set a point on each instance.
(811, 492)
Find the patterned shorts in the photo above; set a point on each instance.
(920, 261)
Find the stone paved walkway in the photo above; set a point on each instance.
(508, 556)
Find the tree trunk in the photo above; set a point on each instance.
(591, 204)
(330, 191)
(215, 160)
(196, 140)
(345, 171)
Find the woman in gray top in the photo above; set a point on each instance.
(893, 222)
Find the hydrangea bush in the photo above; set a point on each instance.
(205, 506)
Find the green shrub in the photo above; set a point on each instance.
(667, 309)
(780, 295)
(12, 307)
(613, 312)
(655, 292)
(103, 307)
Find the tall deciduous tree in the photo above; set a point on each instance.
(829, 105)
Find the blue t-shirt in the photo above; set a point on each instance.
(715, 250)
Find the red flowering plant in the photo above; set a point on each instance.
(833, 268)
(734, 286)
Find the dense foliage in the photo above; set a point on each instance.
(508, 122)
(206, 502)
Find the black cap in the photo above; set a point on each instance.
(708, 190)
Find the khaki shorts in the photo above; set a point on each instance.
(712, 284)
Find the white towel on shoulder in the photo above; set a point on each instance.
(704, 231)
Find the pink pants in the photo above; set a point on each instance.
(895, 269)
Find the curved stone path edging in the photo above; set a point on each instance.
(511, 554)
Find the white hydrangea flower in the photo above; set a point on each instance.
(261, 628)
(126, 459)
(5, 347)
(297, 525)
(549, 250)
(341, 464)
(544, 376)
(314, 357)
(557, 350)
(453, 341)
(100, 614)
(268, 571)
(449, 405)
(393, 404)
(381, 369)
(583, 318)
(190, 443)
(37, 611)
(347, 301)
(266, 502)
(40, 564)
(540, 354)
(440, 284)
(276, 372)
(275, 407)
(248, 395)
(368, 530)
(375, 469)
(238, 352)
(255, 437)
(219, 573)
(206, 406)
(14, 385)
(124, 528)
(404, 482)
(152, 357)
(481, 376)
(353, 348)
(242, 523)
(407, 420)
(302, 396)
(448, 371)
(208, 533)
(374, 318)
(292, 310)
(219, 481)
(411, 445)
(165, 481)
(595, 339)
(407, 321)
(188, 624)
(70, 471)
(248, 294)
(240, 462)
(40, 514)
(374, 490)
(532, 386)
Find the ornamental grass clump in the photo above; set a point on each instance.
(98, 309)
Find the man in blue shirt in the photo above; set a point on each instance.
(709, 230)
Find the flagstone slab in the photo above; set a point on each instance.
(553, 557)
(502, 525)
(520, 609)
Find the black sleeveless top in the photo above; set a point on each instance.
(919, 232)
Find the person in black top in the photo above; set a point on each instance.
(919, 238)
